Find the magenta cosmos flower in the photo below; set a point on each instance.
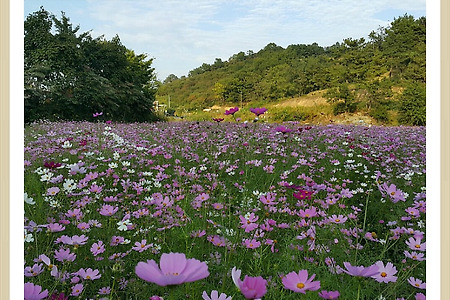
(258, 110)
(300, 283)
(360, 270)
(33, 292)
(250, 287)
(232, 111)
(173, 269)
(215, 296)
(283, 129)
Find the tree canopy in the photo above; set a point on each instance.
(71, 75)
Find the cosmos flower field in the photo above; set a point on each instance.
(221, 210)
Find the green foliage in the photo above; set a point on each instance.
(380, 113)
(412, 110)
(289, 114)
(392, 56)
(70, 76)
(343, 98)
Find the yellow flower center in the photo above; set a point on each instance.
(383, 274)
(300, 285)
(417, 246)
(337, 220)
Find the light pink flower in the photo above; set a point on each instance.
(33, 292)
(108, 210)
(360, 270)
(251, 244)
(77, 289)
(250, 287)
(88, 274)
(300, 283)
(415, 244)
(215, 296)
(173, 269)
(385, 273)
(417, 283)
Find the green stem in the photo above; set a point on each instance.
(359, 290)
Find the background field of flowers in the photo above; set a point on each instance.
(336, 202)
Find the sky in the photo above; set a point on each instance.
(181, 35)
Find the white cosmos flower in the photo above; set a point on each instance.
(28, 200)
(67, 145)
(28, 237)
(69, 185)
(123, 225)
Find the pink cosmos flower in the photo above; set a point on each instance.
(218, 120)
(337, 219)
(33, 271)
(360, 270)
(420, 296)
(251, 244)
(300, 283)
(250, 287)
(108, 210)
(33, 292)
(248, 222)
(77, 289)
(104, 290)
(414, 255)
(52, 191)
(417, 283)
(63, 255)
(76, 213)
(329, 294)
(97, 248)
(173, 269)
(55, 227)
(415, 244)
(308, 213)
(215, 296)
(88, 274)
(141, 246)
(46, 260)
(392, 191)
(198, 233)
(385, 273)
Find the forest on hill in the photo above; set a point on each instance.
(383, 76)
(70, 75)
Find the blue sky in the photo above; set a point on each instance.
(181, 35)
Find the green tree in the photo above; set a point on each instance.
(70, 76)
(412, 109)
(343, 98)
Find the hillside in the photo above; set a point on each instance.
(304, 82)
